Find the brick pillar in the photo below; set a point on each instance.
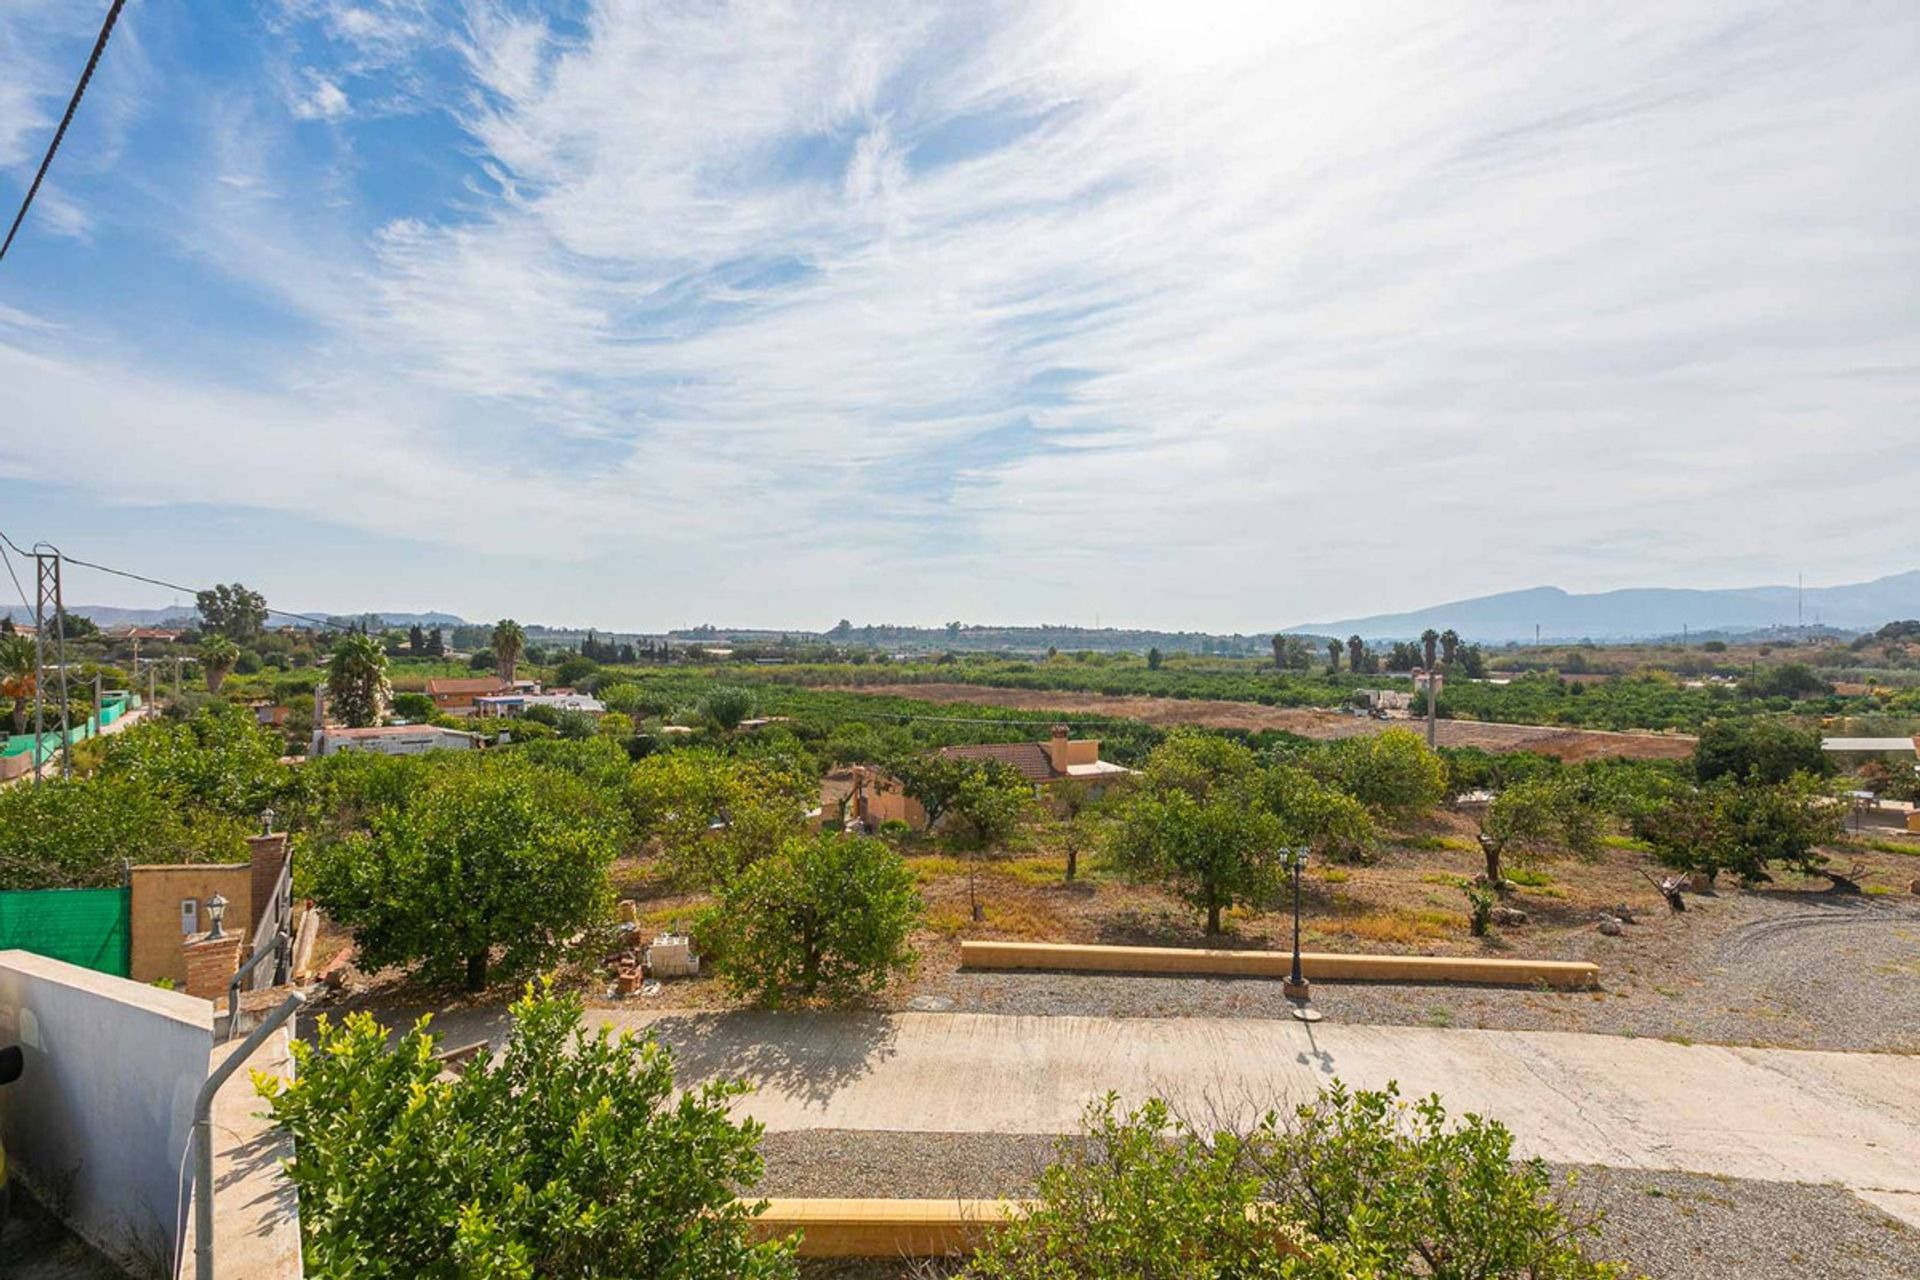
(211, 964)
(268, 853)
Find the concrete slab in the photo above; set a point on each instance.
(1775, 1114)
(256, 1214)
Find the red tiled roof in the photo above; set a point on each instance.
(484, 684)
(1030, 758)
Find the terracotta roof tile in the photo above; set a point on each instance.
(1030, 758)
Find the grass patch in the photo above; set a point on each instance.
(1434, 844)
(1442, 877)
(1531, 877)
(1035, 870)
(1878, 890)
(1335, 875)
(928, 867)
(1905, 848)
(1626, 842)
(1395, 925)
(948, 922)
(1025, 920)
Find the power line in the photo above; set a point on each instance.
(73, 104)
(162, 582)
(16, 577)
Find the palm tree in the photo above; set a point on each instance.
(357, 685)
(1333, 657)
(217, 658)
(1428, 640)
(1279, 652)
(18, 675)
(1449, 646)
(509, 646)
(1356, 654)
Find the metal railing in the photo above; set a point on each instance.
(272, 937)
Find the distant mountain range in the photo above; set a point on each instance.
(1643, 612)
(107, 616)
(1639, 613)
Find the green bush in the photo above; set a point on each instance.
(78, 834)
(1391, 772)
(572, 1156)
(712, 815)
(828, 915)
(1363, 1185)
(1213, 852)
(1765, 751)
(726, 706)
(1142, 1196)
(1742, 828)
(413, 706)
(492, 851)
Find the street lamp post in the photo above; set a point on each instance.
(1296, 988)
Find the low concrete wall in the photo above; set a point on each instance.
(883, 1228)
(902, 1228)
(101, 1114)
(1564, 974)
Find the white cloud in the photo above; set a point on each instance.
(320, 99)
(1190, 316)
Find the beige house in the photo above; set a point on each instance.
(456, 695)
(871, 796)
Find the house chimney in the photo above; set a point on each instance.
(1057, 748)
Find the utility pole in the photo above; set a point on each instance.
(46, 576)
(96, 703)
(176, 677)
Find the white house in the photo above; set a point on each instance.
(513, 704)
(393, 740)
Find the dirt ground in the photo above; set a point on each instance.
(1791, 965)
(1567, 744)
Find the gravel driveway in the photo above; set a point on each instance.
(1801, 971)
(1667, 1226)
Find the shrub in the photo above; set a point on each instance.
(413, 706)
(726, 706)
(1479, 909)
(572, 671)
(1391, 772)
(713, 816)
(1144, 1196)
(1361, 1183)
(573, 1156)
(1214, 852)
(1537, 814)
(1766, 751)
(492, 851)
(217, 759)
(77, 834)
(1745, 829)
(828, 915)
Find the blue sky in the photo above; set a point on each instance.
(1209, 315)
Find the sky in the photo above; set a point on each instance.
(1186, 315)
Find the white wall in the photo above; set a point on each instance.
(101, 1113)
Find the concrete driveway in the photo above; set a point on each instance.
(1774, 1114)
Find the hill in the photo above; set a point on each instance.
(1643, 612)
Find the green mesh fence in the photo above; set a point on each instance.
(87, 927)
